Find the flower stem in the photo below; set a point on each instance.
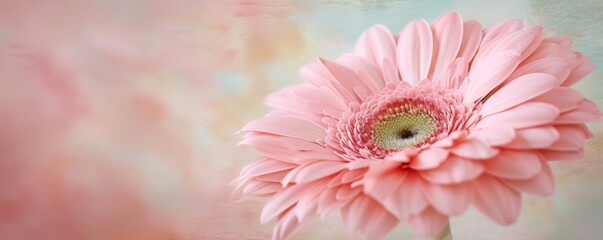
(446, 234)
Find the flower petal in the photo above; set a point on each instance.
(586, 111)
(286, 198)
(543, 184)
(523, 41)
(570, 138)
(576, 116)
(285, 226)
(501, 29)
(429, 158)
(487, 74)
(408, 198)
(518, 91)
(261, 188)
(367, 217)
(563, 98)
(447, 38)
(347, 192)
(472, 36)
(382, 222)
(497, 201)
(585, 66)
(328, 203)
(292, 150)
(555, 48)
(318, 170)
(474, 148)
(532, 138)
(429, 223)
(511, 164)
(454, 170)
(265, 166)
(319, 100)
(554, 155)
(414, 51)
(316, 74)
(282, 99)
(390, 71)
(381, 187)
(352, 175)
(555, 66)
(275, 177)
(377, 44)
(367, 72)
(290, 126)
(454, 75)
(522, 116)
(452, 199)
(497, 135)
(344, 80)
(306, 207)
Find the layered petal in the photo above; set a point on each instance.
(452, 199)
(474, 148)
(501, 29)
(523, 42)
(429, 158)
(378, 45)
(563, 98)
(557, 67)
(522, 116)
(543, 184)
(570, 138)
(408, 198)
(289, 126)
(366, 216)
(519, 91)
(512, 164)
(285, 226)
(447, 32)
(414, 51)
(454, 170)
(534, 138)
(583, 67)
(265, 166)
(429, 223)
(282, 201)
(496, 135)
(496, 200)
(487, 74)
(454, 75)
(318, 170)
(472, 36)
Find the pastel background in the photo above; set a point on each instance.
(119, 118)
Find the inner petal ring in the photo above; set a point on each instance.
(399, 117)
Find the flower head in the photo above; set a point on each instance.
(416, 128)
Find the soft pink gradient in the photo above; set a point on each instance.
(504, 107)
(106, 111)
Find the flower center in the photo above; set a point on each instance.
(398, 118)
(399, 129)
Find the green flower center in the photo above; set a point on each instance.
(400, 130)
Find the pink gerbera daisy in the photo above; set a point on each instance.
(416, 128)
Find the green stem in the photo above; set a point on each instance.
(446, 234)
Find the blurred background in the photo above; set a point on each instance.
(119, 118)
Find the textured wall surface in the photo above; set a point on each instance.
(119, 118)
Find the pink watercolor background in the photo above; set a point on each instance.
(119, 118)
